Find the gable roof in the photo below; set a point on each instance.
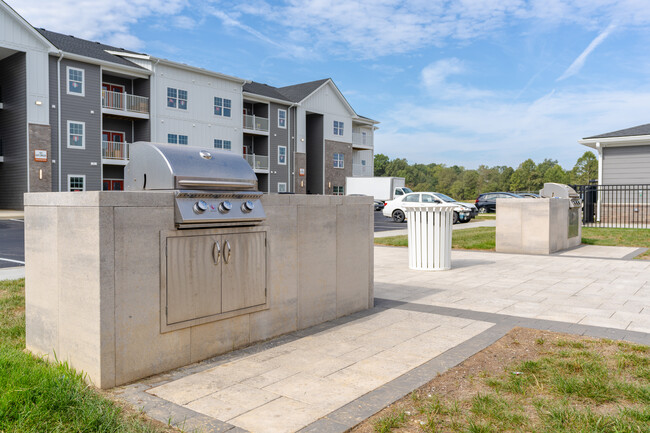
(264, 90)
(25, 24)
(628, 132)
(298, 92)
(83, 47)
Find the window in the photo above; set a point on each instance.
(363, 137)
(76, 136)
(176, 98)
(282, 119)
(172, 138)
(428, 198)
(222, 107)
(282, 187)
(282, 155)
(338, 190)
(222, 144)
(75, 81)
(338, 160)
(182, 139)
(76, 182)
(413, 198)
(338, 128)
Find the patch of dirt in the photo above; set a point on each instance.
(466, 379)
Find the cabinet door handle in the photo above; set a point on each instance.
(216, 248)
(226, 255)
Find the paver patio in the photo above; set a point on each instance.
(328, 378)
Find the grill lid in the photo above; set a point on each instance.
(559, 190)
(167, 167)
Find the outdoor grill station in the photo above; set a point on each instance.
(540, 225)
(191, 261)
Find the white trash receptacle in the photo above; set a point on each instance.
(429, 235)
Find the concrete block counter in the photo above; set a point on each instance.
(96, 286)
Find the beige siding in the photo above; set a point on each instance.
(626, 165)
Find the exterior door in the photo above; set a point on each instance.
(193, 278)
(106, 185)
(117, 185)
(243, 270)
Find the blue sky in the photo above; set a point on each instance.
(463, 82)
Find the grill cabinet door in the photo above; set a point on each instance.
(244, 274)
(193, 278)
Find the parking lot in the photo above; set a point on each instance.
(383, 224)
(12, 243)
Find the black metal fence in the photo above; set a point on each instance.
(620, 206)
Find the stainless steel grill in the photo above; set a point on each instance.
(212, 187)
(558, 190)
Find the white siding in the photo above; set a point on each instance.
(15, 35)
(626, 165)
(327, 102)
(198, 122)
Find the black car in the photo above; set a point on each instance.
(487, 202)
(529, 195)
(379, 205)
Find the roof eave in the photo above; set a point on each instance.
(131, 70)
(633, 140)
(262, 98)
(200, 70)
(51, 48)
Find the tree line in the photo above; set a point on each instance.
(461, 183)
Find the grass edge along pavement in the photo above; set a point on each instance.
(483, 238)
(37, 396)
(533, 381)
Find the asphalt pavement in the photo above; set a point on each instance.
(383, 224)
(12, 243)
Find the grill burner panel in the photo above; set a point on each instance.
(212, 187)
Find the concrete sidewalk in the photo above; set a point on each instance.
(330, 377)
(13, 273)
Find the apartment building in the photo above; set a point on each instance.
(71, 108)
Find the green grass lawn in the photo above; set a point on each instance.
(574, 386)
(483, 238)
(36, 396)
(485, 216)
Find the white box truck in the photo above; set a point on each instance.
(381, 188)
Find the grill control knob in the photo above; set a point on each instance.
(247, 206)
(225, 206)
(200, 206)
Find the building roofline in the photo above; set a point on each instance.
(241, 81)
(106, 65)
(632, 140)
(268, 98)
(51, 47)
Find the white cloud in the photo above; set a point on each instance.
(435, 80)
(500, 132)
(579, 62)
(103, 20)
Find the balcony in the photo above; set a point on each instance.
(258, 162)
(362, 140)
(256, 123)
(361, 170)
(114, 152)
(125, 104)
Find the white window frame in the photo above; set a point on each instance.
(223, 107)
(223, 145)
(284, 187)
(340, 161)
(285, 155)
(285, 119)
(338, 190)
(177, 99)
(168, 137)
(338, 128)
(83, 176)
(83, 136)
(187, 140)
(67, 81)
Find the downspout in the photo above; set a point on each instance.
(291, 172)
(153, 125)
(58, 102)
(599, 148)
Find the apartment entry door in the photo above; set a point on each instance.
(113, 185)
(113, 96)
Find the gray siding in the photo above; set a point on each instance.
(13, 132)
(314, 132)
(54, 122)
(278, 137)
(625, 165)
(85, 109)
(113, 171)
(126, 82)
(119, 125)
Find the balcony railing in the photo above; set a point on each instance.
(361, 170)
(115, 150)
(125, 102)
(256, 123)
(258, 162)
(361, 139)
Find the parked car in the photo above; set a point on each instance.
(379, 205)
(529, 195)
(487, 202)
(463, 212)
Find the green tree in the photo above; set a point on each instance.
(585, 170)
(381, 161)
(526, 177)
(557, 174)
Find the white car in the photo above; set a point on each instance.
(463, 212)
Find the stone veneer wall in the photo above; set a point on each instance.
(40, 172)
(93, 278)
(336, 176)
